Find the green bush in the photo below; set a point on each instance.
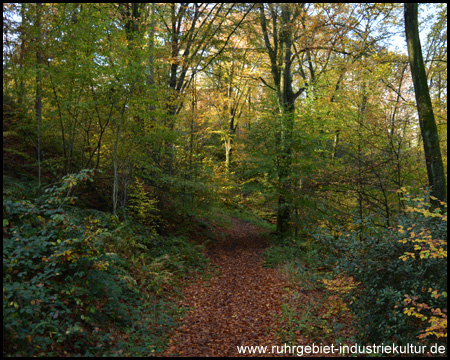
(66, 292)
(55, 279)
(153, 261)
(376, 259)
(143, 207)
(298, 252)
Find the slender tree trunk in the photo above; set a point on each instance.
(335, 144)
(38, 97)
(131, 27)
(428, 128)
(227, 143)
(21, 90)
(151, 62)
(359, 183)
(282, 78)
(287, 100)
(115, 194)
(228, 138)
(192, 167)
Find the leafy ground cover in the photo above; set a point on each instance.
(248, 304)
(78, 282)
(315, 309)
(236, 307)
(402, 272)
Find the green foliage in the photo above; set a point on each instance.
(154, 262)
(427, 246)
(54, 275)
(306, 322)
(63, 294)
(375, 258)
(295, 251)
(142, 206)
(278, 255)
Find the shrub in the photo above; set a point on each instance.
(391, 269)
(78, 282)
(143, 207)
(58, 285)
(429, 243)
(55, 278)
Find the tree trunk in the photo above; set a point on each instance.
(428, 128)
(21, 90)
(151, 63)
(282, 78)
(38, 97)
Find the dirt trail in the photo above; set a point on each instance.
(235, 308)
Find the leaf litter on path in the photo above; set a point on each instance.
(238, 307)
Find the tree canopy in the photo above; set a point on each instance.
(308, 116)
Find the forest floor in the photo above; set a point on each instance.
(238, 307)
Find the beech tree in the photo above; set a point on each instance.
(38, 97)
(280, 51)
(428, 128)
(167, 93)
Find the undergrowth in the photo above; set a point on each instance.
(369, 284)
(314, 308)
(78, 282)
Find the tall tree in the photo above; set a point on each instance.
(38, 97)
(196, 33)
(428, 128)
(280, 51)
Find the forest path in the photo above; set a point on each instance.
(238, 307)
